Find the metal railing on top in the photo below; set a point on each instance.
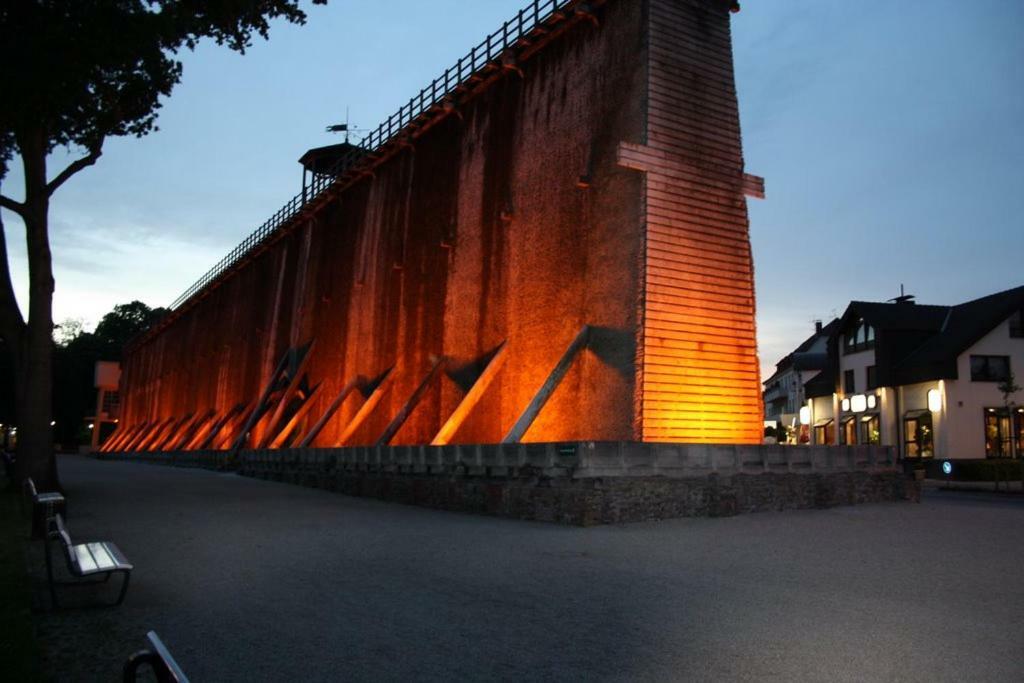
(491, 48)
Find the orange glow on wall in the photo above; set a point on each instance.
(476, 232)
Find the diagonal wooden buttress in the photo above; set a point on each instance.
(536, 404)
(318, 426)
(403, 414)
(367, 408)
(293, 422)
(471, 399)
(282, 404)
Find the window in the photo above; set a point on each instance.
(848, 432)
(917, 434)
(859, 336)
(1018, 423)
(1017, 324)
(997, 433)
(849, 386)
(990, 368)
(870, 429)
(825, 432)
(872, 377)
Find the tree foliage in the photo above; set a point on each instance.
(90, 69)
(75, 73)
(74, 363)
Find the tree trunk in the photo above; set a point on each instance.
(34, 355)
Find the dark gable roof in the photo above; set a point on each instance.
(826, 331)
(903, 316)
(799, 359)
(963, 325)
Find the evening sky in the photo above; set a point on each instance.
(889, 134)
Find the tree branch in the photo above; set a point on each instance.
(73, 168)
(11, 205)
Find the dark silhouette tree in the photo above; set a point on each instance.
(121, 324)
(74, 364)
(76, 73)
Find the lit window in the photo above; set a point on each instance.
(848, 431)
(859, 336)
(870, 429)
(917, 434)
(997, 433)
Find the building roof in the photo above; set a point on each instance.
(800, 359)
(896, 316)
(915, 342)
(963, 325)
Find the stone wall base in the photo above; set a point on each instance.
(539, 487)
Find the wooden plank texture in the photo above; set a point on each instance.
(700, 375)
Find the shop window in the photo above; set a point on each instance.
(1018, 430)
(848, 431)
(998, 437)
(825, 432)
(870, 429)
(990, 368)
(917, 434)
(849, 385)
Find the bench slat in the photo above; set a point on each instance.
(103, 559)
(83, 558)
(118, 556)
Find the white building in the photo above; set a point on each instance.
(926, 379)
(784, 390)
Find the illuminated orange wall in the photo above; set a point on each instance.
(699, 378)
(481, 231)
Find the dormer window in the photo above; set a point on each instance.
(859, 336)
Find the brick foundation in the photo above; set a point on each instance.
(582, 483)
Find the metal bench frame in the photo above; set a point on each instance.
(40, 507)
(106, 558)
(159, 659)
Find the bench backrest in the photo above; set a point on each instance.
(30, 488)
(28, 498)
(59, 532)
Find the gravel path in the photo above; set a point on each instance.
(249, 580)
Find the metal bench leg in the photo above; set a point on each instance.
(124, 587)
(49, 574)
(131, 668)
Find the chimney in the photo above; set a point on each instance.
(817, 327)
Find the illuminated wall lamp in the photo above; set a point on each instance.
(859, 403)
(934, 400)
(846, 405)
(805, 415)
(872, 402)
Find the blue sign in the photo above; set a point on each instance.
(947, 467)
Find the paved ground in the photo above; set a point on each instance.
(251, 580)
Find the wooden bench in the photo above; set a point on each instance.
(42, 506)
(84, 560)
(159, 659)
